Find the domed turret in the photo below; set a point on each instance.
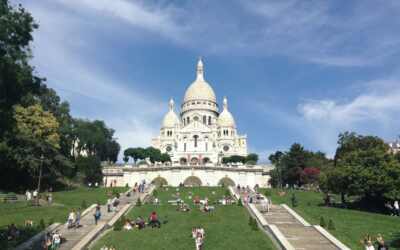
(170, 119)
(225, 119)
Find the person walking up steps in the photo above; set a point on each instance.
(97, 214)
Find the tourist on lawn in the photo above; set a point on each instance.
(71, 219)
(381, 243)
(396, 208)
(35, 194)
(28, 195)
(12, 232)
(367, 242)
(153, 220)
(78, 218)
(50, 198)
(97, 214)
(56, 240)
(140, 222)
(109, 203)
(390, 208)
(127, 225)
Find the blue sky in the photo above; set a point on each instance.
(293, 71)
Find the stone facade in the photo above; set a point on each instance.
(201, 134)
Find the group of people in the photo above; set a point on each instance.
(74, 218)
(369, 244)
(394, 210)
(140, 223)
(107, 248)
(139, 187)
(33, 195)
(112, 204)
(52, 241)
(198, 235)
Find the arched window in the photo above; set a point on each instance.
(188, 120)
(195, 137)
(206, 146)
(184, 146)
(209, 120)
(204, 119)
(196, 118)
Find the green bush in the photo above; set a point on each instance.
(42, 225)
(126, 185)
(227, 192)
(84, 204)
(240, 203)
(268, 193)
(322, 222)
(294, 200)
(138, 202)
(51, 221)
(119, 224)
(331, 225)
(155, 193)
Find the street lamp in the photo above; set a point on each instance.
(40, 178)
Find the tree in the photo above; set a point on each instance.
(165, 158)
(252, 158)
(90, 167)
(364, 167)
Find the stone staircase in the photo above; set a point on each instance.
(293, 229)
(79, 238)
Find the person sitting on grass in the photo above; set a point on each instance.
(12, 232)
(367, 242)
(153, 220)
(127, 225)
(140, 224)
(381, 243)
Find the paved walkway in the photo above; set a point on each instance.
(74, 236)
(300, 236)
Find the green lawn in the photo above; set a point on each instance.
(226, 228)
(64, 201)
(351, 225)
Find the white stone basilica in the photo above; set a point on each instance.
(201, 135)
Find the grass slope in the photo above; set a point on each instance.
(226, 228)
(351, 225)
(63, 202)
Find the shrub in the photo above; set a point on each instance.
(227, 193)
(138, 202)
(126, 185)
(267, 193)
(42, 225)
(119, 224)
(253, 223)
(331, 225)
(84, 204)
(322, 222)
(51, 221)
(155, 193)
(240, 202)
(294, 200)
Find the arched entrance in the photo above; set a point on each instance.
(183, 161)
(192, 181)
(226, 181)
(194, 161)
(159, 181)
(206, 160)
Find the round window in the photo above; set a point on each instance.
(226, 148)
(169, 148)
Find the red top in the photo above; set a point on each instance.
(153, 216)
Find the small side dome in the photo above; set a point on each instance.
(225, 119)
(170, 119)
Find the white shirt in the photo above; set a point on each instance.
(34, 193)
(369, 247)
(71, 216)
(396, 204)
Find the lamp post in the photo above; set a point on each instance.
(40, 178)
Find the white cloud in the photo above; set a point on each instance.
(92, 93)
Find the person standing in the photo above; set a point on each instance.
(109, 202)
(396, 208)
(71, 219)
(56, 240)
(78, 218)
(97, 214)
(35, 194)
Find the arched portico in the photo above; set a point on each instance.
(159, 181)
(193, 181)
(226, 181)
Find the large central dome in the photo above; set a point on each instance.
(200, 90)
